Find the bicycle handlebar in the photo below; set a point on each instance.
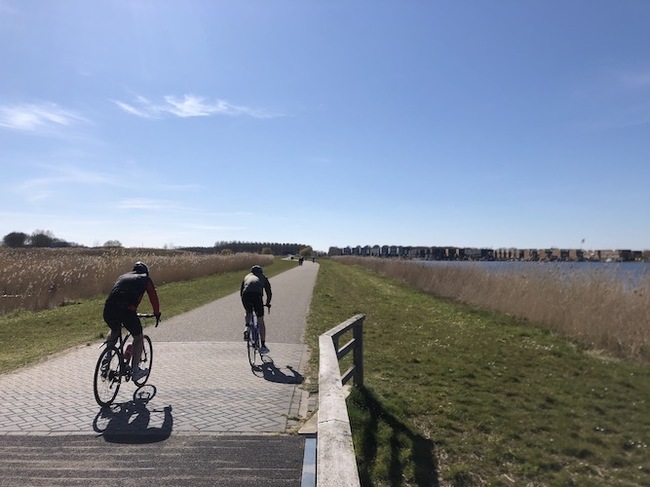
(149, 315)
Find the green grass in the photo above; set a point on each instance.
(27, 337)
(467, 397)
(453, 395)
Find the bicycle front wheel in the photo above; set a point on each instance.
(108, 376)
(146, 360)
(253, 345)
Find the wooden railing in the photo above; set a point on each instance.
(336, 462)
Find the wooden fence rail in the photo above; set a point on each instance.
(336, 462)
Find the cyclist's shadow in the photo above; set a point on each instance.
(273, 374)
(130, 422)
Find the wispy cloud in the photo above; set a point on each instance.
(618, 100)
(41, 188)
(37, 118)
(638, 79)
(5, 8)
(179, 187)
(54, 180)
(216, 228)
(133, 110)
(320, 161)
(149, 204)
(188, 106)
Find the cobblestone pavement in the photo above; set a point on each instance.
(201, 382)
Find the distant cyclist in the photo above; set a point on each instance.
(121, 309)
(252, 290)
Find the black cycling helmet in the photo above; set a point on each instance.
(257, 270)
(141, 268)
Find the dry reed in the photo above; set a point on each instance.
(35, 279)
(589, 307)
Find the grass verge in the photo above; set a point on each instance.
(456, 396)
(453, 396)
(592, 306)
(28, 336)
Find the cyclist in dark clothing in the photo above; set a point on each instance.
(252, 290)
(121, 309)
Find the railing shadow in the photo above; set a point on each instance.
(131, 422)
(272, 373)
(425, 466)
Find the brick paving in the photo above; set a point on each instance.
(201, 382)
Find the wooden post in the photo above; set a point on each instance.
(358, 352)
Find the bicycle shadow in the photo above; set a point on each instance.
(272, 373)
(133, 422)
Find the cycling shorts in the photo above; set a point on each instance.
(253, 302)
(115, 317)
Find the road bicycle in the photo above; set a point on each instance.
(113, 366)
(252, 335)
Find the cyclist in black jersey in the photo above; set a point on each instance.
(252, 290)
(121, 309)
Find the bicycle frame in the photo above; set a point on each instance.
(109, 374)
(119, 346)
(123, 339)
(255, 329)
(253, 341)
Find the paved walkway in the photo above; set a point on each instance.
(201, 382)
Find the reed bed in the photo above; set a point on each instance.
(592, 308)
(36, 279)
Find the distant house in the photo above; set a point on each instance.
(472, 254)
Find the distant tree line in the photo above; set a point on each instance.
(223, 247)
(46, 239)
(39, 238)
(43, 239)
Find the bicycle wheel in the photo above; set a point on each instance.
(108, 376)
(146, 360)
(253, 345)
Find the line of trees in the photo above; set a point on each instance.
(43, 239)
(46, 239)
(39, 238)
(223, 247)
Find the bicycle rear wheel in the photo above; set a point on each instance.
(108, 376)
(146, 360)
(253, 345)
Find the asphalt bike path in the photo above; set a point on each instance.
(204, 417)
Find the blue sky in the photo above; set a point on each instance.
(500, 123)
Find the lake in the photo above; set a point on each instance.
(630, 273)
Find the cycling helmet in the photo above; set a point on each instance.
(257, 270)
(141, 268)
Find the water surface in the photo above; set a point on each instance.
(631, 274)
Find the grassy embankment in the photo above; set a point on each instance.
(454, 395)
(28, 336)
(598, 309)
(466, 397)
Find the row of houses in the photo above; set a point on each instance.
(457, 253)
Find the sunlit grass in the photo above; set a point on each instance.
(472, 397)
(597, 310)
(453, 394)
